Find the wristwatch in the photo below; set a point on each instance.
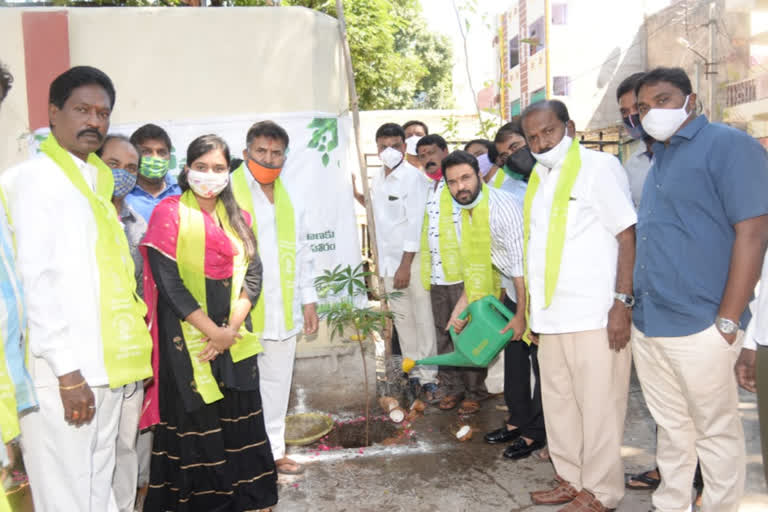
(726, 325)
(627, 300)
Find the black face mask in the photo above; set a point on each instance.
(634, 127)
(521, 162)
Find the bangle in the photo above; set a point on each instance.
(70, 388)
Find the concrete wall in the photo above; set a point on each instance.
(191, 63)
(685, 19)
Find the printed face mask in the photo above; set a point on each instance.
(124, 182)
(153, 167)
(391, 158)
(633, 126)
(554, 156)
(662, 123)
(262, 173)
(207, 184)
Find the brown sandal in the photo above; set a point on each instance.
(449, 402)
(469, 407)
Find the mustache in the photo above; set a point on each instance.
(91, 131)
(430, 164)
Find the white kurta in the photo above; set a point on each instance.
(69, 468)
(276, 362)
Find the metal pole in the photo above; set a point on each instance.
(711, 70)
(353, 100)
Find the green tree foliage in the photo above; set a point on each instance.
(398, 62)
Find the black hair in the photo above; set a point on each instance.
(556, 106)
(459, 157)
(120, 137)
(629, 84)
(432, 140)
(268, 129)
(515, 126)
(675, 76)
(199, 147)
(418, 123)
(6, 80)
(151, 132)
(235, 164)
(390, 130)
(482, 142)
(78, 76)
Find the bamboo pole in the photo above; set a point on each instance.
(353, 101)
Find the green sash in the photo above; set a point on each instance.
(286, 244)
(449, 244)
(480, 278)
(558, 218)
(126, 342)
(190, 258)
(498, 179)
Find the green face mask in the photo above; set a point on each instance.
(153, 167)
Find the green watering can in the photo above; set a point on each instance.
(479, 342)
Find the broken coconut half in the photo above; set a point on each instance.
(397, 415)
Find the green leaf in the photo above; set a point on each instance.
(325, 159)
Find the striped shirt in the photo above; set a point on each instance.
(506, 223)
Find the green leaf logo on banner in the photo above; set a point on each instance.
(325, 137)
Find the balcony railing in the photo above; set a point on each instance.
(745, 91)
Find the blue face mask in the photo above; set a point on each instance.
(634, 128)
(124, 182)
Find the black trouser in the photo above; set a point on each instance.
(466, 383)
(525, 412)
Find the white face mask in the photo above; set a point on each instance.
(391, 158)
(410, 144)
(470, 205)
(207, 184)
(662, 123)
(554, 156)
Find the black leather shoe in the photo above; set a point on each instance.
(520, 449)
(502, 435)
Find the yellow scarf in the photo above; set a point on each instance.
(558, 218)
(286, 244)
(126, 342)
(480, 278)
(449, 244)
(190, 258)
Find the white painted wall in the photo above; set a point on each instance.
(192, 63)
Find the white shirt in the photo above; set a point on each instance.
(437, 274)
(304, 289)
(600, 208)
(398, 202)
(56, 238)
(637, 167)
(757, 331)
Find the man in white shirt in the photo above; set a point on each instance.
(752, 364)
(525, 426)
(639, 163)
(69, 243)
(579, 229)
(457, 385)
(284, 316)
(399, 195)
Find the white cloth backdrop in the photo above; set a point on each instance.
(317, 171)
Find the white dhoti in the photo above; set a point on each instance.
(125, 479)
(70, 468)
(275, 375)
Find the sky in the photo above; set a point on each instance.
(441, 18)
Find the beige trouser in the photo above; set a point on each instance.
(125, 478)
(690, 388)
(275, 376)
(414, 323)
(584, 391)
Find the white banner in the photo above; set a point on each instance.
(317, 171)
